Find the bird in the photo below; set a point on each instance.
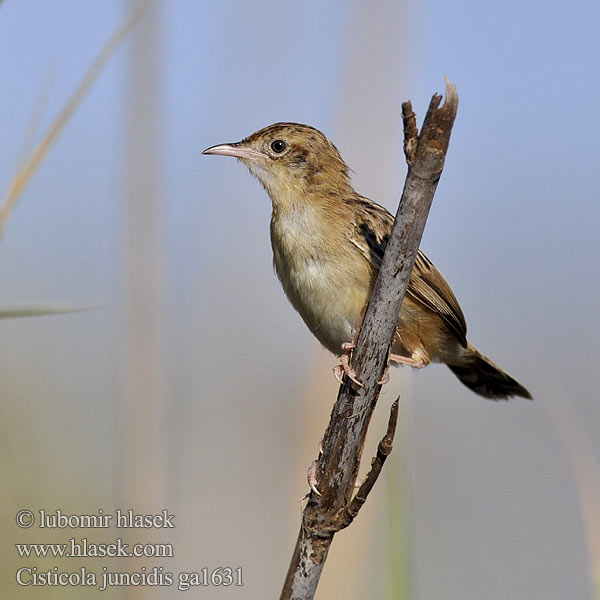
(328, 243)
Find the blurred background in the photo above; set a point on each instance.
(196, 388)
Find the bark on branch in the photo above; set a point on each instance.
(344, 438)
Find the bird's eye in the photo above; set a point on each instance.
(278, 146)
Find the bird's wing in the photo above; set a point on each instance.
(370, 233)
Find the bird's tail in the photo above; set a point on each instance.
(485, 378)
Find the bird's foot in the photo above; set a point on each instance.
(344, 367)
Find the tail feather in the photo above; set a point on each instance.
(485, 378)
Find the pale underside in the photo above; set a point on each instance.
(331, 298)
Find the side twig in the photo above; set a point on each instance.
(343, 442)
(347, 514)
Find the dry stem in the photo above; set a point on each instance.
(344, 439)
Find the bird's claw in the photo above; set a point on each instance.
(386, 377)
(344, 367)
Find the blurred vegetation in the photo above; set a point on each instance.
(50, 479)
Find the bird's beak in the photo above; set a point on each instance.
(237, 149)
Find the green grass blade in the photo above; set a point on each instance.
(38, 310)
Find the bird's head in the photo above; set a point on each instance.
(291, 160)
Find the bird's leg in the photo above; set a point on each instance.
(344, 367)
(411, 361)
(416, 360)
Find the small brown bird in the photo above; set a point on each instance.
(328, 242)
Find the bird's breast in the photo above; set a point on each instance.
(323, 277)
